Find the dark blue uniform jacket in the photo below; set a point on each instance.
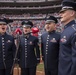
(29, 53)
(7, 51)
(67, 55)
(50, 51)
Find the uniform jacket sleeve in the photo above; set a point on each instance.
(42, 49)
(73, 43)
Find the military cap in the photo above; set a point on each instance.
(5, 21)
(51, 19)
(68, 5)
(27, 23)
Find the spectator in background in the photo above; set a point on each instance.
(50, 46)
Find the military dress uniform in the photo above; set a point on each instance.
(29, 53)
(7, 49)
(67, 54)
(7, 52)
(50, 46)
(50, 51)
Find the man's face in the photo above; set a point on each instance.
(3, 28)
(50, 26)
(26, 30)
(65, 16)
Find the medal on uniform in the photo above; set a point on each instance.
(63, 39)
(31, 43)
(8, 41)
(53, 40)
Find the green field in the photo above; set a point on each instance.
(40, 67)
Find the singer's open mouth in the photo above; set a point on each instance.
(3, 28)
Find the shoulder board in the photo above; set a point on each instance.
(75, 33)
(74, 27)
(75, 21)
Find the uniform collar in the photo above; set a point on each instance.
(26, 36)
(69, 24)
(51, 32)
(3, 34)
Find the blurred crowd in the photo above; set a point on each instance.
(37, 19)
(24, 0)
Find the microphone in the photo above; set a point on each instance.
(18, 31)
(35, 30)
